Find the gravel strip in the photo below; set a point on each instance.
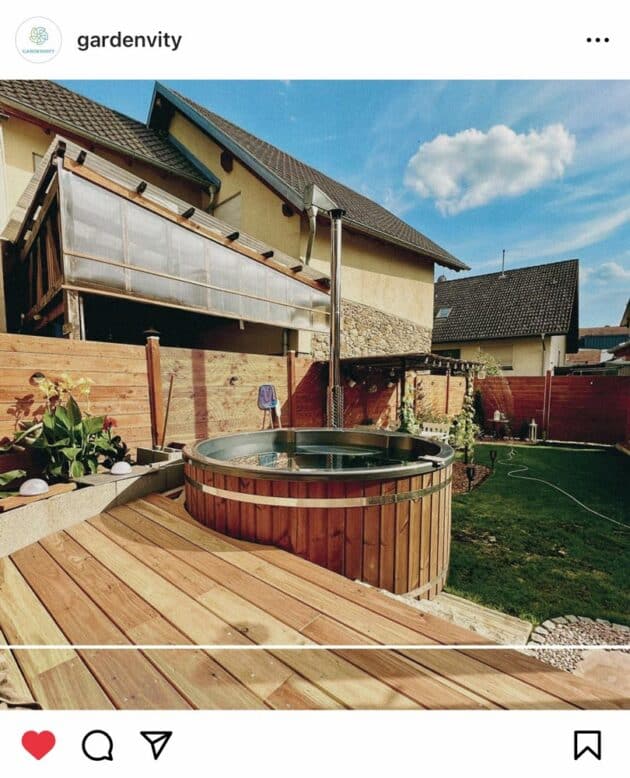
(574, 630)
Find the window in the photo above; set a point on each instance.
(443, 313)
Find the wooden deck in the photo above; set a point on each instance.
(147, 574)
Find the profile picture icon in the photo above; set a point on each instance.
(39, 35)
(38, 39)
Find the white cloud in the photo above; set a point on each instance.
(472, 168)
(606, 273)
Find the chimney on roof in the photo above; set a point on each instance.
(503, 265)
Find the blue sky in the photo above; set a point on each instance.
(541, 169)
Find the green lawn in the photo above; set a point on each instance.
(526, 549)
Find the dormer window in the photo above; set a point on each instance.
(443, 313)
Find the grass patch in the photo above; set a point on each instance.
(525, 549)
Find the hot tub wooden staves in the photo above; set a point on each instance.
(394, 534)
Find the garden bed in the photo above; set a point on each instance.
(460, 479)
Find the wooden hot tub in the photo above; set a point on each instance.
(374, 506)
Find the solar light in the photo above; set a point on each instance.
(33, 487)
(120, 468)
(493, 457)
(470, 475)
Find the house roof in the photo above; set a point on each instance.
(289, 176)
(524, 302)
(586, 332)
(73, 112)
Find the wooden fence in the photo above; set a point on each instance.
(213, 391)
(592, 409)
(119, 373)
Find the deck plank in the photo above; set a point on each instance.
(147, 574)
(130, 680)
(202, 680)
(57, 677)
(260, 627)
(259, 671)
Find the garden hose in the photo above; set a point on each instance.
(524, 468)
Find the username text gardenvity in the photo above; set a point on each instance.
(120, 40)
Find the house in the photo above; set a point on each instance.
(596, 344)
(526, 319)
(238, 186)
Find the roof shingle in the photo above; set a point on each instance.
(295, 174)
(86, 117)
(527, 301)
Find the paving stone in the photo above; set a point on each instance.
(561, 620)
(549, 624)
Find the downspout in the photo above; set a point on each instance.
(311, 213)
(542, 340)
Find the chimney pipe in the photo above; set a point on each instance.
(335, 389)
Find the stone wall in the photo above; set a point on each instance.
(366, 330)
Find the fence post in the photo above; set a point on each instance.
(291, 387)
(154, 376)
(448, 382)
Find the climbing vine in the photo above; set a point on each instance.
(464, 431)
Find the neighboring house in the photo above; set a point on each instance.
(625, 319)
(622, 351)
(596, 344)
(246, 186)
(526, 319)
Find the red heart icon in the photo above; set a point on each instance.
(38, 744)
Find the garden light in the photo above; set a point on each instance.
(470, 475)
(120, 468)
(33, 487)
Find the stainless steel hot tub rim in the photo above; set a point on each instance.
(437, 455)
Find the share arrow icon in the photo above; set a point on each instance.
(157, 741)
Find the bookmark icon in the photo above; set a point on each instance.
(157, 741)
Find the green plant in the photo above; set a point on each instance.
(120, 450)
(6, 479)
(408, 422)
(72, 443)
(464, 430)
(10, 476)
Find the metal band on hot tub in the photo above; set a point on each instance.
(315, 502)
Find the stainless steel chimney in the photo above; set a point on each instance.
(335, 389)
(315, 199)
